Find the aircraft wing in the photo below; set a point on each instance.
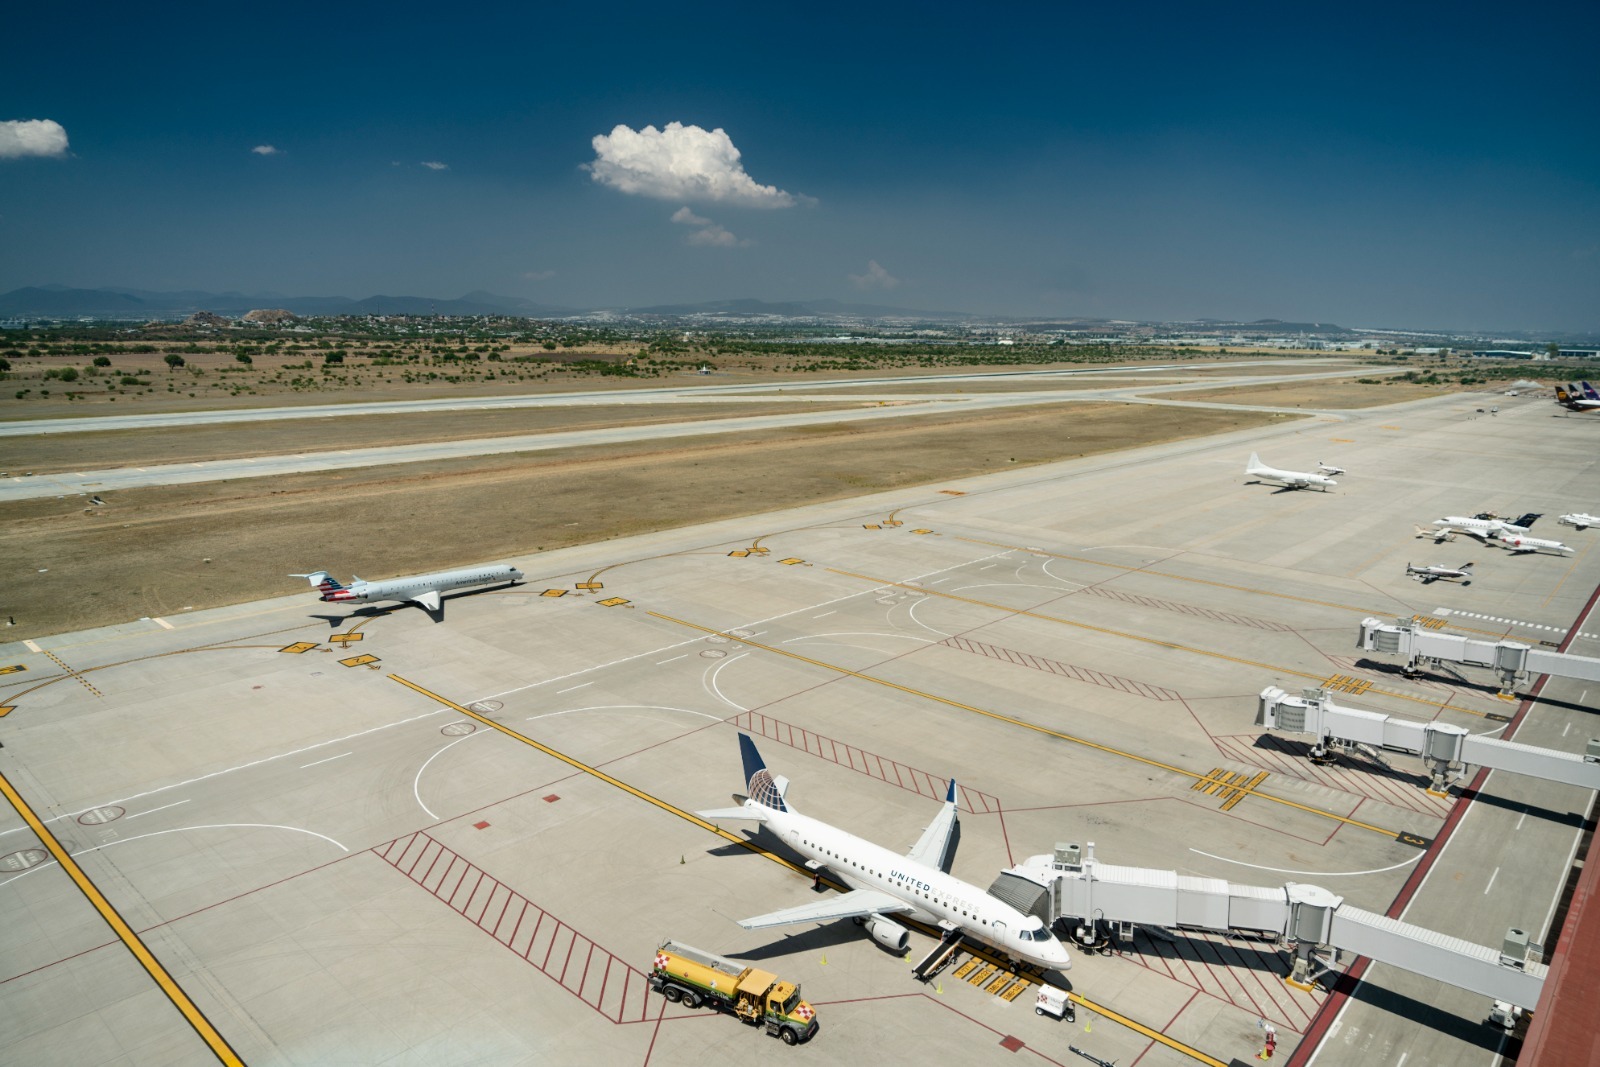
(857, 903)
(933, 847)
(715, 815)
(429, 600)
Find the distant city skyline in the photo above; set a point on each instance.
(1419, 167)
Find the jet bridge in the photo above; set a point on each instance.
(1512, 660)
(1099, 900)
(1445, 748)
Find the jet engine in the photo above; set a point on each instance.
(891, 935)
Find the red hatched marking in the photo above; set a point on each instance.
(870, 764)
(1063, 670)
(1235, 970)
(581, 966)
(1182, 609)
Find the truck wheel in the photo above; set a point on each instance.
(691, 999)
(1038, 1011)
(789, 1036)
(672, 993)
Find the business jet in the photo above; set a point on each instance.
(1580, 520)
(1329, 468)
(1439, 572)
(882, 882)
(1484, 526)
(1521, 545)
(423, 589)
(1288, 479)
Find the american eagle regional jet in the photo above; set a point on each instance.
(883, 882)
(423, 589)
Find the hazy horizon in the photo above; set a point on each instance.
(1412, 168)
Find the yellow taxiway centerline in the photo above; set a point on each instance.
(196, 1018)
(1175, 646)
(687, 816)
(1025, 724)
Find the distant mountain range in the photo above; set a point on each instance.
(59, 301)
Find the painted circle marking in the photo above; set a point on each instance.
(458, 729)
(22, 860)
(96, 816)
(486, 706)
(713, 653)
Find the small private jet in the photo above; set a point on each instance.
(1521, 544)
(1288, 479)
(1329, 469)
(884, 882)
(1438, 572)
(423, 589)
(1580, 520)
(1484, 526)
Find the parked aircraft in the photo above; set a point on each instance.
(1288, 479)
(1328, 468)
(423, 589)
(1521, 545)
(1580, 520)
(1483, 526)
(1439, 572)
(1575, 399)
(883, 882)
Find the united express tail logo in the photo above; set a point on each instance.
(764, 791)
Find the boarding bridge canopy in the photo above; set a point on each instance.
(1092, 896)
(1444, 747)
(1512, 660)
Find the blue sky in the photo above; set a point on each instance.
(1432, 166)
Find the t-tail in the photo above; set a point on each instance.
(1525, 521)
(764, 789)
(1588, 391)
(322, 582)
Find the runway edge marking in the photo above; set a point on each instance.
(196, 1018)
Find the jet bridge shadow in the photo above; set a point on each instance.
(1560, 818)
(1295, 749)
(1395, 670)
(1416, 1013)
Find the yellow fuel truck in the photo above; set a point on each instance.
(692, 977)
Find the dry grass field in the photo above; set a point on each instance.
(146, 553)
(1323, 394)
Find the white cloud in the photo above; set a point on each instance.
(266, 150)
(433, 164)
(875, 278)
(680, 163)
(32, 137)
(707, 233)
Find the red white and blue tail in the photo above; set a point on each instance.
(324, 583)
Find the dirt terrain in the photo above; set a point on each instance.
(160, 551)
(50, 453)
(1324, 394)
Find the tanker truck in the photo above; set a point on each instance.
(692, 977)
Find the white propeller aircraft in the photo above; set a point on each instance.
(1520, 544)
(882, 882)
(423, 589)
(1580, 520)
(1439, 572)
(1288, 479)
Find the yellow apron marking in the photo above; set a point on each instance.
(1025, 724)
(359, 661)
(739, 553)
(196, 1018)
(590, 586)
(344, 640)
(14, 668)
(1174, 645)
(554, 592)
(613, 602)
(672, 809)
(791, 561)
(298, 647)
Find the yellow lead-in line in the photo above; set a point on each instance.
(208, 1033)
(1320, 679)
(687, 816)
(1024, 723)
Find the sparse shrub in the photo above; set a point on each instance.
(102, 361)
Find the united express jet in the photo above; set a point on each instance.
(883, 882)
